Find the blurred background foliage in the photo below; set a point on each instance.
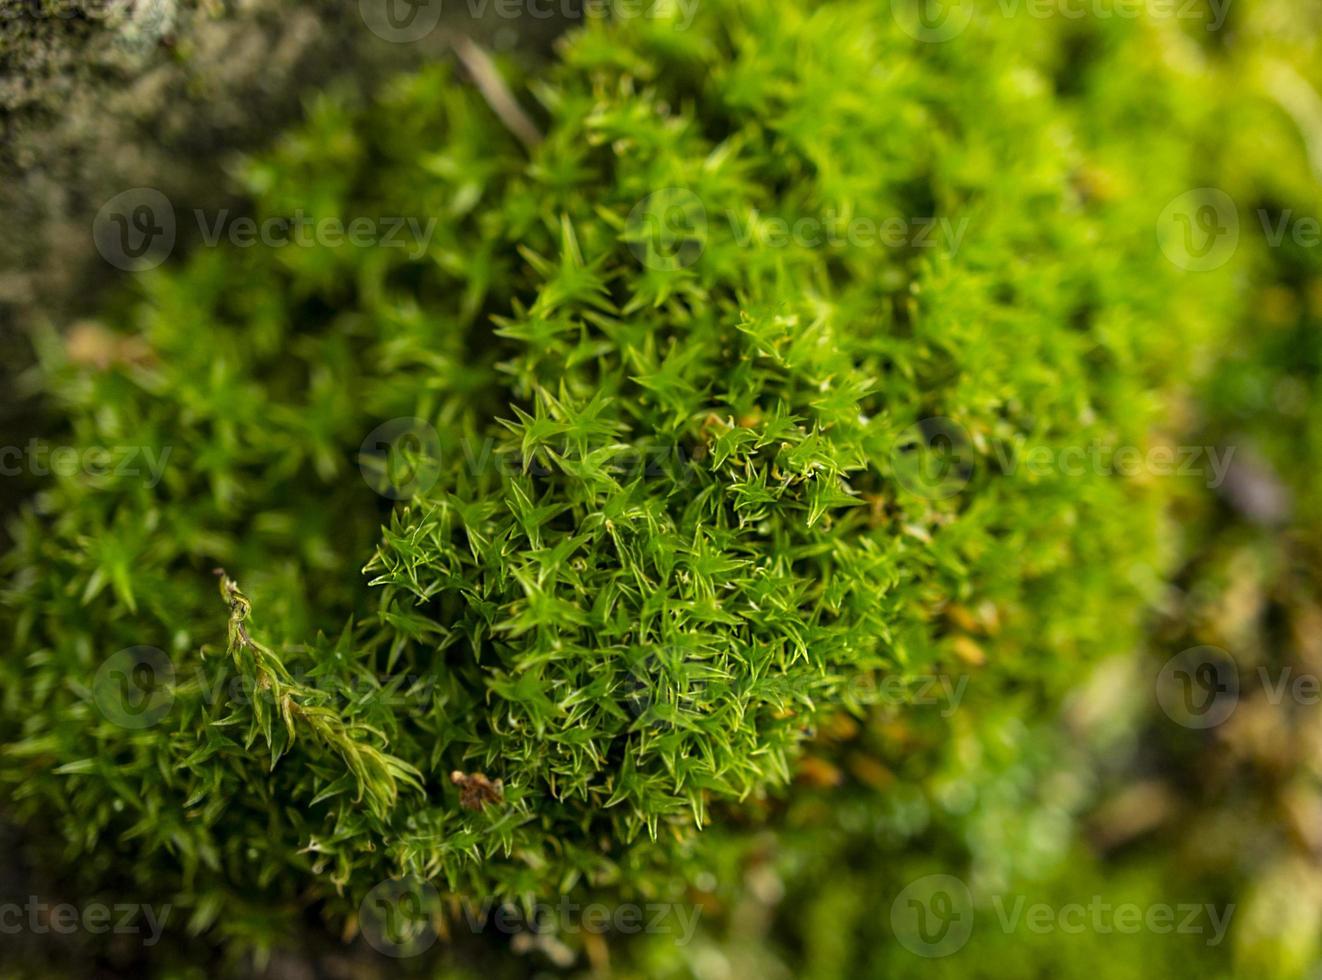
(1107, 798)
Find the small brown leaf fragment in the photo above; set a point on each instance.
(869, 771)
(962, 618)
(816, 771)
(839, 727)
(476, 790)
(1135, 810)
(89, 344)
(968, 651)
(598, 952)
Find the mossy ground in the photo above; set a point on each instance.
(666, 547)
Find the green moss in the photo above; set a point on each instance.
(673, 502)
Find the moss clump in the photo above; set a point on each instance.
(704, 444)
